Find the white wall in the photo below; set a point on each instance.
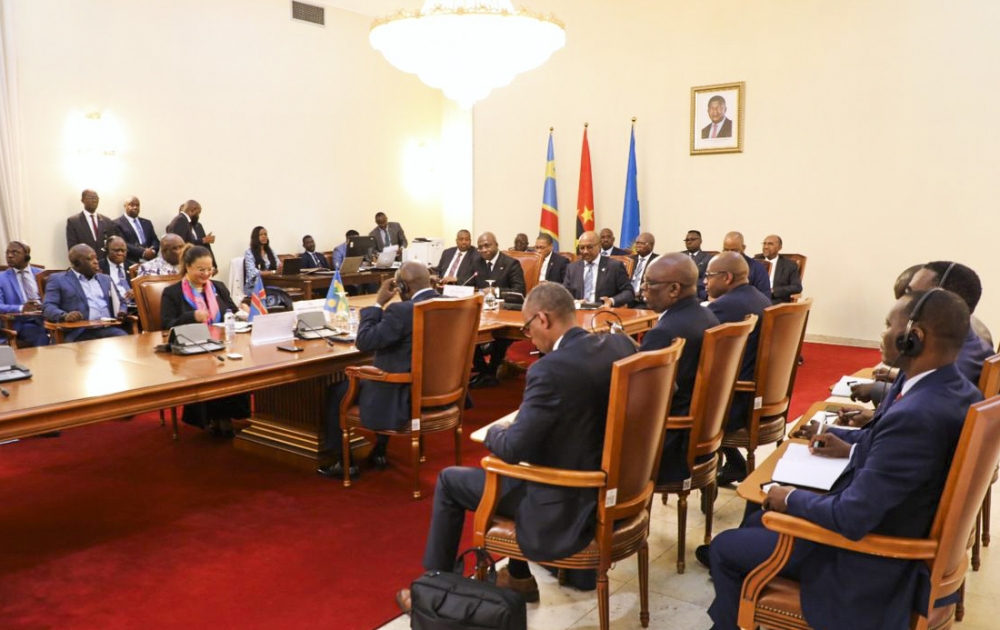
(262, 119)
(869, 137)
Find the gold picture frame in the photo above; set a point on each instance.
(721, 106)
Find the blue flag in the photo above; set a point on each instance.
(258, 299)
(630, 216)
(336, 297)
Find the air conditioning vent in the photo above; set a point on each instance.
(308, 13)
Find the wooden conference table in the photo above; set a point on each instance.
(316, 285)
(82, 383)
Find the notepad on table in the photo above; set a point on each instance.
(479, 435)
(843, 386)
(799, 467)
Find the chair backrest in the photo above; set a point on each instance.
(236, 279)
(627, 261)
(989, 379)
(718, 368)
(641, 388)
(531, 264)
(133, 271)
(568, 255)
(43, 278)
(148, 292)
(968, 481)
(444, 340)
(277, 300)
(799, 260)
(778, 348)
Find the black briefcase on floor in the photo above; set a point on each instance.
(449, 601)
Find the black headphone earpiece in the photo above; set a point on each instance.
(908, 343)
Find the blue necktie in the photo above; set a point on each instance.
(139, 232)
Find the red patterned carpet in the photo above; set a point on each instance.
(117, 526)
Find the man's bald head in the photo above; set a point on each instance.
(487, 245)
(416, 277)
(733, 242)
(725, 272)
(587, 246)
(84, 260)
(170, 248)
(669, 279)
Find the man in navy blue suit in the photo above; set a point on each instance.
(732, 300)
(19, 295)
(671, 289)
(561, 424)
(892, 485)
(758, 277)
(388, 332)
(597, 278)
(311, 259)
(140, 237)
(82, 293)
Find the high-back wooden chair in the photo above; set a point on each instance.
(570, 256)
(641, 388)
(778, 348)
(799, 260)
(438, 377)
(628, 262)
(148, 292)
(531, 264)
(774, 601)
(719, 365)
(989, 385)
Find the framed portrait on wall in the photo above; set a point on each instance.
(717, 118)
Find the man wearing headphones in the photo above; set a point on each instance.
(892, 485)
(387, 331)
(20, 295)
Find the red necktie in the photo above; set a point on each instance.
(93, 222)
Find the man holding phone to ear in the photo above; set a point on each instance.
(386, 330)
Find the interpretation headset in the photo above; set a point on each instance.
(908, 343)
(27, 250)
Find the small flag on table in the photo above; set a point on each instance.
(336, 297)
(258, 299)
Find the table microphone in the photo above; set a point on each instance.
(200, 344)
(301, 324)
(471, 278)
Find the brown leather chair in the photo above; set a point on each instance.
(718, 367)
(438, 377)
(627, 261)
(774, 601)
(531, 264)
(641, 388)
(778, 348)
(148, 292)
(800, 260)
(989, 385)
(568, 255)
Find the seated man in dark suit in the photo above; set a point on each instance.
(83, 294)
(553, 267)
(892, 485)
(139, 235)
(784, 273)
(388, 332)
(19, 295)
(641, 260)
(114, 266)
(595, 278)
(692, 247)
(671, 288)
(608, 247)
(552, 523)
(732, 300)
(311, 259)
(733, 242)
(458, 263)
(507, 275)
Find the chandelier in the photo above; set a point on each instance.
(467, 47)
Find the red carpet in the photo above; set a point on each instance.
(117, 526)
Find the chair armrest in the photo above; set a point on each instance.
(372, 373)
(680, 423)
(746, 386)
(10, 335)
(546, 474)
(872, 544)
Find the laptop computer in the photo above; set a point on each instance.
(387, 258)
(291, 267)
(351, 264)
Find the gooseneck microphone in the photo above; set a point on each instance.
(470, 279)
(200, 344)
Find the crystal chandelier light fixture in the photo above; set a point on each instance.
(467, 47)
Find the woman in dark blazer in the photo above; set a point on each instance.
(199, 299)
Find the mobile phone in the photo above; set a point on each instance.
(290, 348)
(234, 356)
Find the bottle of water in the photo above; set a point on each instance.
(354, 322)
(230, 322)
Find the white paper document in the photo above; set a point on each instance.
(831, 418)
(479, 435)
(273, 328)
(843, 386)
(799, 467)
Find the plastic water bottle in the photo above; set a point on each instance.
(353, 322)
(230, 321)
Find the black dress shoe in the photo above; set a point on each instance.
(703, 556)
(378, 461)
(484, 380)
(729, 476)
(336, 471)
